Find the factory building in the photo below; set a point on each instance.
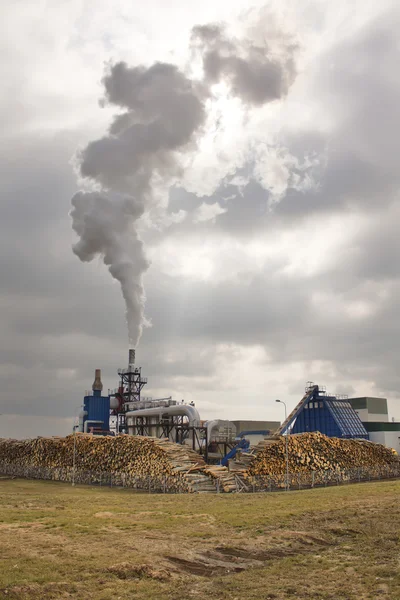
(373, 412)
(133, 414)
(370, 409)
(318, 411)
(127, 411)
(95, 416)
(343, 417)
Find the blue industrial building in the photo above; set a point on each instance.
(331, 415)
(96, 408)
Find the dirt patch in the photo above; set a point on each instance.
(128, 571)
(204, 567)
(344, 531)
(50, 591)
(312, 540)
(21, 527)
(254, 555)
(252, 547)
(21, 591)
(224, 560)
(285, 536)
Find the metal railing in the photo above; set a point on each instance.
(171, 485)
(314, 479)
(147, 483)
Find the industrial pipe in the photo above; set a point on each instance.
(172, 411)
(82, 416)
(217, 424)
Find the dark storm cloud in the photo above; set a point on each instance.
(356, 83)
(51, 316)
(356, 86)
(249, 310)
(60, 321)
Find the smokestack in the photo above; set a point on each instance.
(160, 121)
(97, 384)
(131, 357)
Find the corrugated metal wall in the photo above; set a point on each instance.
(98, 409)
(334, 418)
(315, 416)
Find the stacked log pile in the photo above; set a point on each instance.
(133, 461)
(225, 481)
(143, 462)
(315, 453)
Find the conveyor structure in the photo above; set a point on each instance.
(243, 445)
(319, 411)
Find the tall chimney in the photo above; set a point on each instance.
(97, 384)
(131, 357)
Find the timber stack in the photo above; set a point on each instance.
(153, 463)
(225, 481)
(316, 456)
(132, 461)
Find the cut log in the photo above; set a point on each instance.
(314, 453)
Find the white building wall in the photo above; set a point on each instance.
(377, 418)
(390, 439)
(368, 417)
(363, 414)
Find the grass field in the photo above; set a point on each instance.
(62, 542)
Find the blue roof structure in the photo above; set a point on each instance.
(346, 417)
(330, 415)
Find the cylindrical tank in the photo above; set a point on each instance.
(114, 403)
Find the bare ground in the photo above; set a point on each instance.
(61, 542)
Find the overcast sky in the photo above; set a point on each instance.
(273, 248)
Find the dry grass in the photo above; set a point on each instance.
(61, 542)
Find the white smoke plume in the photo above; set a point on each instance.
(163, 111)
(164, 114)
(105, 225)
(255, 73)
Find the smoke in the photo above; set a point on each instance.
(255, 73)
(163, 110)
(105, 226)
(162, 113)
(162, 119)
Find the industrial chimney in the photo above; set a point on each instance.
(97, 384)
(131, 358)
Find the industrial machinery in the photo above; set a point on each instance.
(242, 446)
(165, 417)
(318, 411)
